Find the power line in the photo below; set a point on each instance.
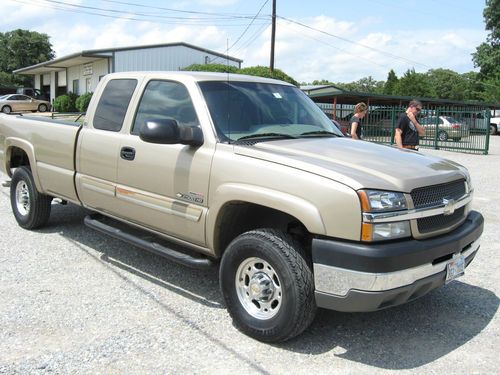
(250, 24)
(125, 15)
(355, 43)
(243, 33)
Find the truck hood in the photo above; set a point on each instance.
(357, 164)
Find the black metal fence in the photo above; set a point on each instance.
(462, 129)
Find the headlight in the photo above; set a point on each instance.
(376, 201)
(470, 188)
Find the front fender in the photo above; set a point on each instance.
(299, 208)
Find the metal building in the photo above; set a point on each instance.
(80, 72)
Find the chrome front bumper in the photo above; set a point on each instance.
(359, 277)
(340, 281)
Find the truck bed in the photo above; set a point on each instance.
(52, 149)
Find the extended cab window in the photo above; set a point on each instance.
(165, 99)
(113, 104)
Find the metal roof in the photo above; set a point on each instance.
(87, 56)
(327, 94)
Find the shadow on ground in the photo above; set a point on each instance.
(402, 337)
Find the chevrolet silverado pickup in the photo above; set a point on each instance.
(249, 175)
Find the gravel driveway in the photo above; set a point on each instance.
(73, 301)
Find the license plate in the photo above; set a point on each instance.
(455, 268)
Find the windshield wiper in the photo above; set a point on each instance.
(320, 132)
(266, 135)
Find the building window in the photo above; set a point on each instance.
(76, 88)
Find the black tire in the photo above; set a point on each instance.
(42, 108)
(281, 275)
(493, 130)
(31, 209)
(442, 136)
(6, 109)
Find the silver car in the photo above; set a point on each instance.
(18, 102)
(447, 127)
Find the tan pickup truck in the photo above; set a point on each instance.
(202, 167)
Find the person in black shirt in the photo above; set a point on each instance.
(359, 112)
(409, 130)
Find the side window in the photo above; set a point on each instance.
(113, 104)
(162, 100)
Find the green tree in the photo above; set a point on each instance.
(21, 48)
(365, 84)
(390, 84)
(413, 84)
(447, 84)
(487, 55)
(321, 82)
(474, 88)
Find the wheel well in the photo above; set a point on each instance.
(236, 218)
(18, 158)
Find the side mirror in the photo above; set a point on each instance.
(168, 131)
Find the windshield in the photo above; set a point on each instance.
(244, 110)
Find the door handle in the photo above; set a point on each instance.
(127, 153)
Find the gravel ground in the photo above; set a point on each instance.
(73, 301)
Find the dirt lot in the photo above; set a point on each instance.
(74, 301)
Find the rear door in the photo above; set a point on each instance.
(99, 147)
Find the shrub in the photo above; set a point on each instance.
(65, 103)
(264, 71)
(82, 103)
(220, 68)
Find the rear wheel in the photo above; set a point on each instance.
(42, 108)
(31, 209)
(267, 284)
(493, 130)
(6, 109)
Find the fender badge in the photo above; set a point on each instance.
(191, 197)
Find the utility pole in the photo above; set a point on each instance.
(273, 36)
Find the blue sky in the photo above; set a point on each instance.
(338, 40)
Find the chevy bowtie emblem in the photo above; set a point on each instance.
(449, 206)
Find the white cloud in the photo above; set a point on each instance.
(301, 52)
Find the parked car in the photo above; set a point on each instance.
(34, 93)
(17, 103)
(447, 127)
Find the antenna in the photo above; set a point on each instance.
(227, 91)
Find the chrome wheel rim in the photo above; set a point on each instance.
(22, 198)
(258, 288)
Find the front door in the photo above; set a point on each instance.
(164, 187)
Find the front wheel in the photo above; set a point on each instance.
(493, 130)
(443, 136)
(42, 108)
(31, 209)
(268, 286)
(6, 109)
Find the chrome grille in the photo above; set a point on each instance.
(433, 195)
(439, 222)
